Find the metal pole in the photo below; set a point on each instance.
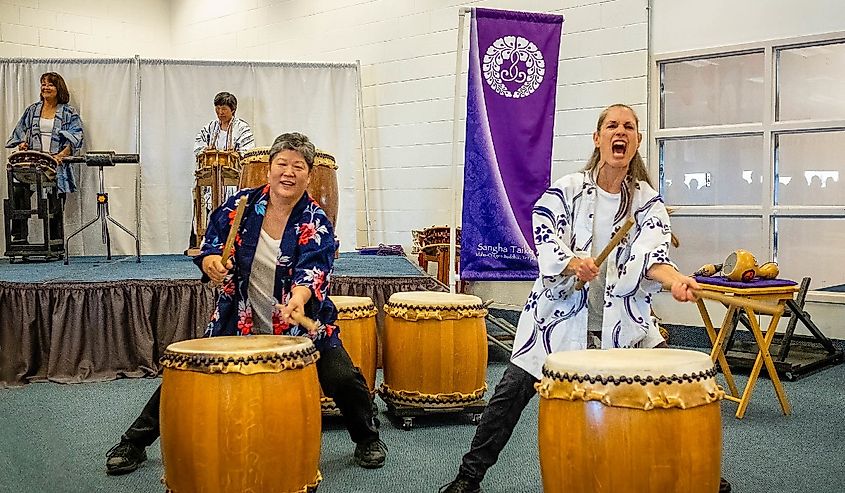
(363, 153)
(456, 150)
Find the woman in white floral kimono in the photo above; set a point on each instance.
(572, 222)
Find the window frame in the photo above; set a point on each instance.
(768, 127)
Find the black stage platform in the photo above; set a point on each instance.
(99, 319)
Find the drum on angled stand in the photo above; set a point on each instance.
(630, 421)
(217, 170)
(241, 414)
(27, 165)
(356, 317)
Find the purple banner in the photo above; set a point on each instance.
(510, 126)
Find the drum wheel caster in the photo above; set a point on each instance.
(407, 423)
(475, 418)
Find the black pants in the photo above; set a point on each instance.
(500, 416)
(339, 378)
(22, 200)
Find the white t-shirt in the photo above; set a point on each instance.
(261, 283)
(45, 126)
(607, 205)
(222, 139)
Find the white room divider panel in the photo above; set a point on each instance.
(104, 93)
(320, 100)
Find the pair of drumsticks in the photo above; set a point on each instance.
(757, 306)
(302, 320)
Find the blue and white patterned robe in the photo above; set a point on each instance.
(67, 130)
(555, 318)
(240, 136)
(305, 258)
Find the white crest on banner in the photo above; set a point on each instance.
(513, 59)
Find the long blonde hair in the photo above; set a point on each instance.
(636, 169)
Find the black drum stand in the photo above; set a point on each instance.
(101, 159)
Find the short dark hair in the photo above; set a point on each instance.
(62, 94)
(295, 141)
(226, 99)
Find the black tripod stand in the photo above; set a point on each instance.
(101, 159)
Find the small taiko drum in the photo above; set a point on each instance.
(323, 186)
(254, 166)
(27, 165)
(241, 414)
(630, 421)
(356, 317)
(227, 162)
(435, 349)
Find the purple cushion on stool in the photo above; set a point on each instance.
(755, 283)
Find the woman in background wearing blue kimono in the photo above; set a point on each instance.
(283, 257)
(572, 222)
(50, 125)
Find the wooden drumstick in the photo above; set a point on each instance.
(233, 231)
(614, 242)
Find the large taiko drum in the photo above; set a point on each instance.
(435, 349)
(323, 186)
(356, 316)
(630, 421)
(227, 162)
(26, 165)
(254, 166)
(241, 414)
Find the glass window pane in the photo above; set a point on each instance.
(810, 169)
(712, 171)
(713, 91)
(709, 240)
(811, 81)
(821, 259)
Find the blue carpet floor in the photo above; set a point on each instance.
(55, 438)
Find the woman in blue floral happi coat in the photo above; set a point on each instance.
(283, 256)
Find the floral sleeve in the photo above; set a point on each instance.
(315, 240)
(217, 231)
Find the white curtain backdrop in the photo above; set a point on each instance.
(319, 100)
(104, 93)
(175, 99)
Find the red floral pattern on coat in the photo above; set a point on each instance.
(307, 231)
(245, 323)
(279, 326)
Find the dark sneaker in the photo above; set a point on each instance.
(371, 454)
(462, 484)
(124, 458)
(724, 486)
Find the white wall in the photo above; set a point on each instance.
(84, 28)
(683, 25)
(407, 52)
